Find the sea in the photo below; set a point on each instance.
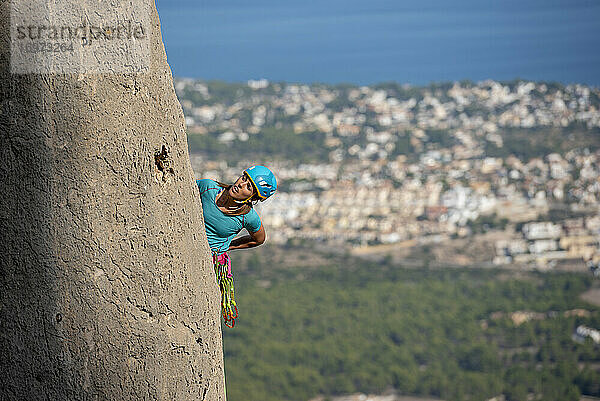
(370, 41)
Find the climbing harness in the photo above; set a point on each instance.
(222, 265)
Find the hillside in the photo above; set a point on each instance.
(287, 121)
(409, 169)
(352, 326)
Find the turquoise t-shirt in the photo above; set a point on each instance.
(221, 229)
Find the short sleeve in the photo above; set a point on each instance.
(252, 221)
(203, 184)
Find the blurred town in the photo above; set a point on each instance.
(393, 166)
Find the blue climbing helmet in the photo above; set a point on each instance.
(263, 179)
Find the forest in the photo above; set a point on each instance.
(367, 326)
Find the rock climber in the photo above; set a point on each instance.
(227, 210)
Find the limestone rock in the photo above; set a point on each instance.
(106, 286)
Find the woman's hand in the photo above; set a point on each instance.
(249, 241)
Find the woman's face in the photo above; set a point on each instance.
(242, 189)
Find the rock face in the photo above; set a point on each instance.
(106, 286)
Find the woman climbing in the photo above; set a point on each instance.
(227, 210)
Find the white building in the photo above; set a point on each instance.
(542, 230)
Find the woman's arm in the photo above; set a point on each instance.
(249, 241)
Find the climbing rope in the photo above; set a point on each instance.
(222, 265)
